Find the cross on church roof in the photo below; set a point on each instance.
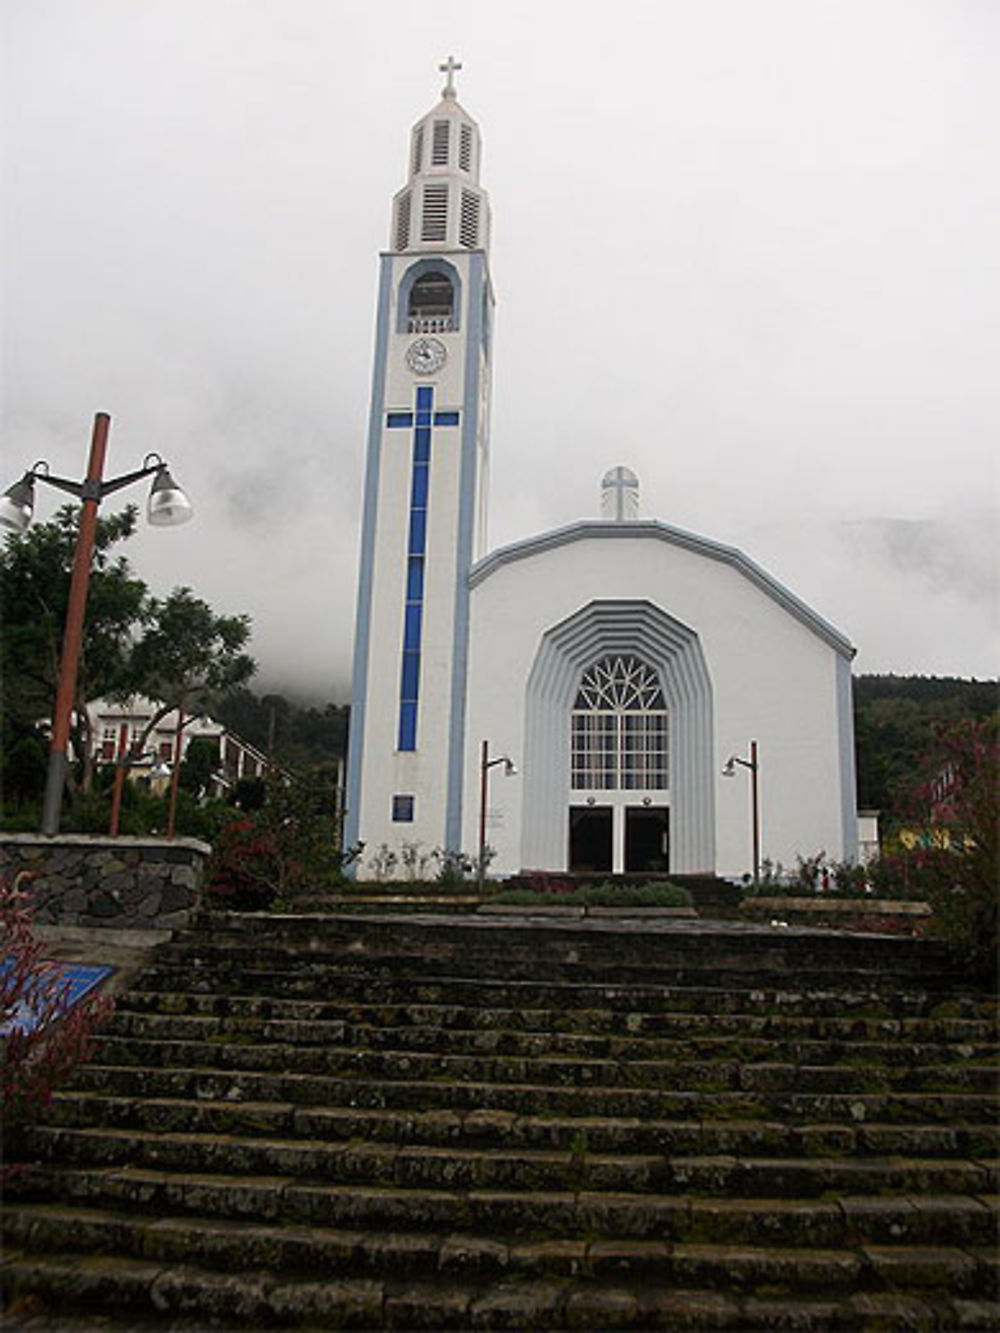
(449, 67)
(620, 494)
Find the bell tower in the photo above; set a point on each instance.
(424, 520)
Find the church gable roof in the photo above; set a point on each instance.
(653, 529)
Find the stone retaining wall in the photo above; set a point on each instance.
(117, 883)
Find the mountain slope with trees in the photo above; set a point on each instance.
(897, 721)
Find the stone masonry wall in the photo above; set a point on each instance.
(118, 883)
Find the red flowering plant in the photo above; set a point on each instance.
(950, 848)
(265, 857)
(42, 1036)
(545, 881)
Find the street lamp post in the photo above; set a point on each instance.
(485, 764)
(168, 506)
(753, 766)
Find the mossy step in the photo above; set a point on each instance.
(361, 986)
(599, 940)
(236, 1086)
(455, 1167)
(835, 1221)
(264, 1300)
(624, 1020)
(303, 1251)
(296, 1033)
(490, 1129)
(311, 978)
(640, 947)
(707, 1073)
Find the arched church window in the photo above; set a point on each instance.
(432, 304)
(619, 727)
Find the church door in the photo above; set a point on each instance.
(647, 838)
(591, 831)
(619, 766)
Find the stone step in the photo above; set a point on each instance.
(539, 938)
(625, 1019)
(302, 1251)
(436, 1122)
(454, 1167)
(835, 1220)
(483, 1129)
(707, 1074)
(955, 1107)
(356, 985)
(577, 952)
(261, 1299)
(311, 976)
(503, 1041)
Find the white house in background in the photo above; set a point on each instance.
(619, 661)
(113, 722)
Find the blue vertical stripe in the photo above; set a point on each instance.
(423, 419)
(418, 531)
(413, 628)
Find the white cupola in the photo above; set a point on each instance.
(442, 206)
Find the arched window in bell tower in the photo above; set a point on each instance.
(431, 307)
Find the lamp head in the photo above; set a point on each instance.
(167, 506)
(18, 503)
(729, 767)
(509, 768)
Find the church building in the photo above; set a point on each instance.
(616, 695)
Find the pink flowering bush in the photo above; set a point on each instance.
(36, 1056)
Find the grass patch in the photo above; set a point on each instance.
(663, 894)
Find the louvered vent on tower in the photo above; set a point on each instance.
(417, 157)
(468, 231)
(403, 208)
(434, 223)
(439, 144)
(465, 147)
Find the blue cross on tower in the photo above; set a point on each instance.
(421, 422)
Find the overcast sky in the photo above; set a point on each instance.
(748, 248)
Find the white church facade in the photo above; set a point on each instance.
(618, 662)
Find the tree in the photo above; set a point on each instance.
(34, 589)
(294, 736)
(201, 761)
(188, 657)
(175, 650)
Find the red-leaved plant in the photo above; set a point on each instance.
(35, 1057)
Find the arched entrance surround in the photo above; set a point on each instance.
(620, 626)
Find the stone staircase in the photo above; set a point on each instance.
(462, 1123)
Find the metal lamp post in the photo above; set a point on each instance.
(485, 764)
(753, 766)
(167, 507)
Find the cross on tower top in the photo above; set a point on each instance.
(449, 67)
